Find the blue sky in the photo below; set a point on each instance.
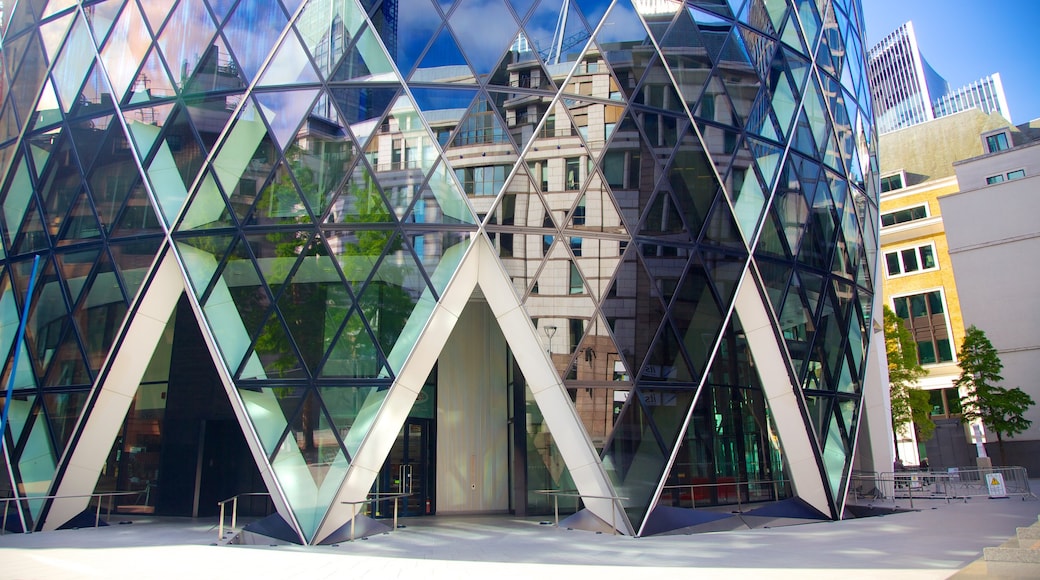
(965, 40)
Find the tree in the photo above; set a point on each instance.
(999, 408)
(909, 404)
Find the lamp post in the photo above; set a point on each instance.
(550, 331)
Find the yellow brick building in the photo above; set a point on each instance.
(916, 166)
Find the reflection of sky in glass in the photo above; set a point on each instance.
(497, 31)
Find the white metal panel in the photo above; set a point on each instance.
(791, 425)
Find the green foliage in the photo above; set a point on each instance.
(1000, 409)
(909, 404)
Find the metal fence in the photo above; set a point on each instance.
(955, 483)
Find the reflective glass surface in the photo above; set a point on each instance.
(322, 167)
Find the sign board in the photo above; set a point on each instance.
(995, 484)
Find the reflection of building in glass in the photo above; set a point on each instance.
(392, 252)
(906, 90)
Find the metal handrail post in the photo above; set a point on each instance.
(220, 527)
(234, 513)
(97, 513)
(110, 500)
(556, 509)
(395, 513)
(910, 491)
(353, 519)
(3, 528)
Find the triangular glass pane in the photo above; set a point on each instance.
(249, 48)
(75, 268)
(790, 34)
(440, 254)
(17, 199)
(657, 92)
(320, 161)
(359, 200)
(214, 67)
(366, 61)
(440, 200)
(595, 210)
(323, 459)
(625, 319)
(556, 38)
(290, 65)
(146, 123)
(284, 111)
(522, 68)
(155, 12)
(350, 410)
(483, 51)
(444, 63)
(238, 286)
(189, 28)
(74, 61)
(354, 354)
(697, 315)
(775, 276)
(96, 98)
(102, 16)
(694, 182)
(267, 408)
(809, 20)
(138, 216)
(80, 224)
(26, 83)
(134, 259)
(63, 411)
(721, 229)
(64, 361)
(326, 28)
(665, 362)
(481, 125)
(275, 254)
(206, 210)
(397, 303)
(104, 291)
(835, 456)
(306, 304)
(201, 257)
(276, 353)
(151, 83)
(125, 49)
(362, 108)
(278, 203)
(53, 33)
(597, 357)
(32, 237)
(520, 205)
(663, 221)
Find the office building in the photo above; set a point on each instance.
(997, 294)
(464, 252)
(906, 90)
(919, 285)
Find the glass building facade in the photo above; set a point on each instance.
(465, 250)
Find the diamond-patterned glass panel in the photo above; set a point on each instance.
(326, 167)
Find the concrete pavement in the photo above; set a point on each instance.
(936, 540)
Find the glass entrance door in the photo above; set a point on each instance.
(410, 469)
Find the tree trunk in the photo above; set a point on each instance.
(1000, 445)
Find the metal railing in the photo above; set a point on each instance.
(234, 511)
(773, 485)
(373, 498)
(956, 483)
(97, 511)
(615, 503)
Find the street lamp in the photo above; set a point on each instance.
(550, 331)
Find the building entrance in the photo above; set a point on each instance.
(410, 469)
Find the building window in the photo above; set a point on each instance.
(910, 260)
(1009, 176)
(924, 315)
(891, 182)
(486, 180)
(996, 142)
(945, 402)
(572, 173)
(900, 216)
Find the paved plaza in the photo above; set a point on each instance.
(936, 540)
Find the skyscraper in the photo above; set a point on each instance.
(326, 249)
(906, 90)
